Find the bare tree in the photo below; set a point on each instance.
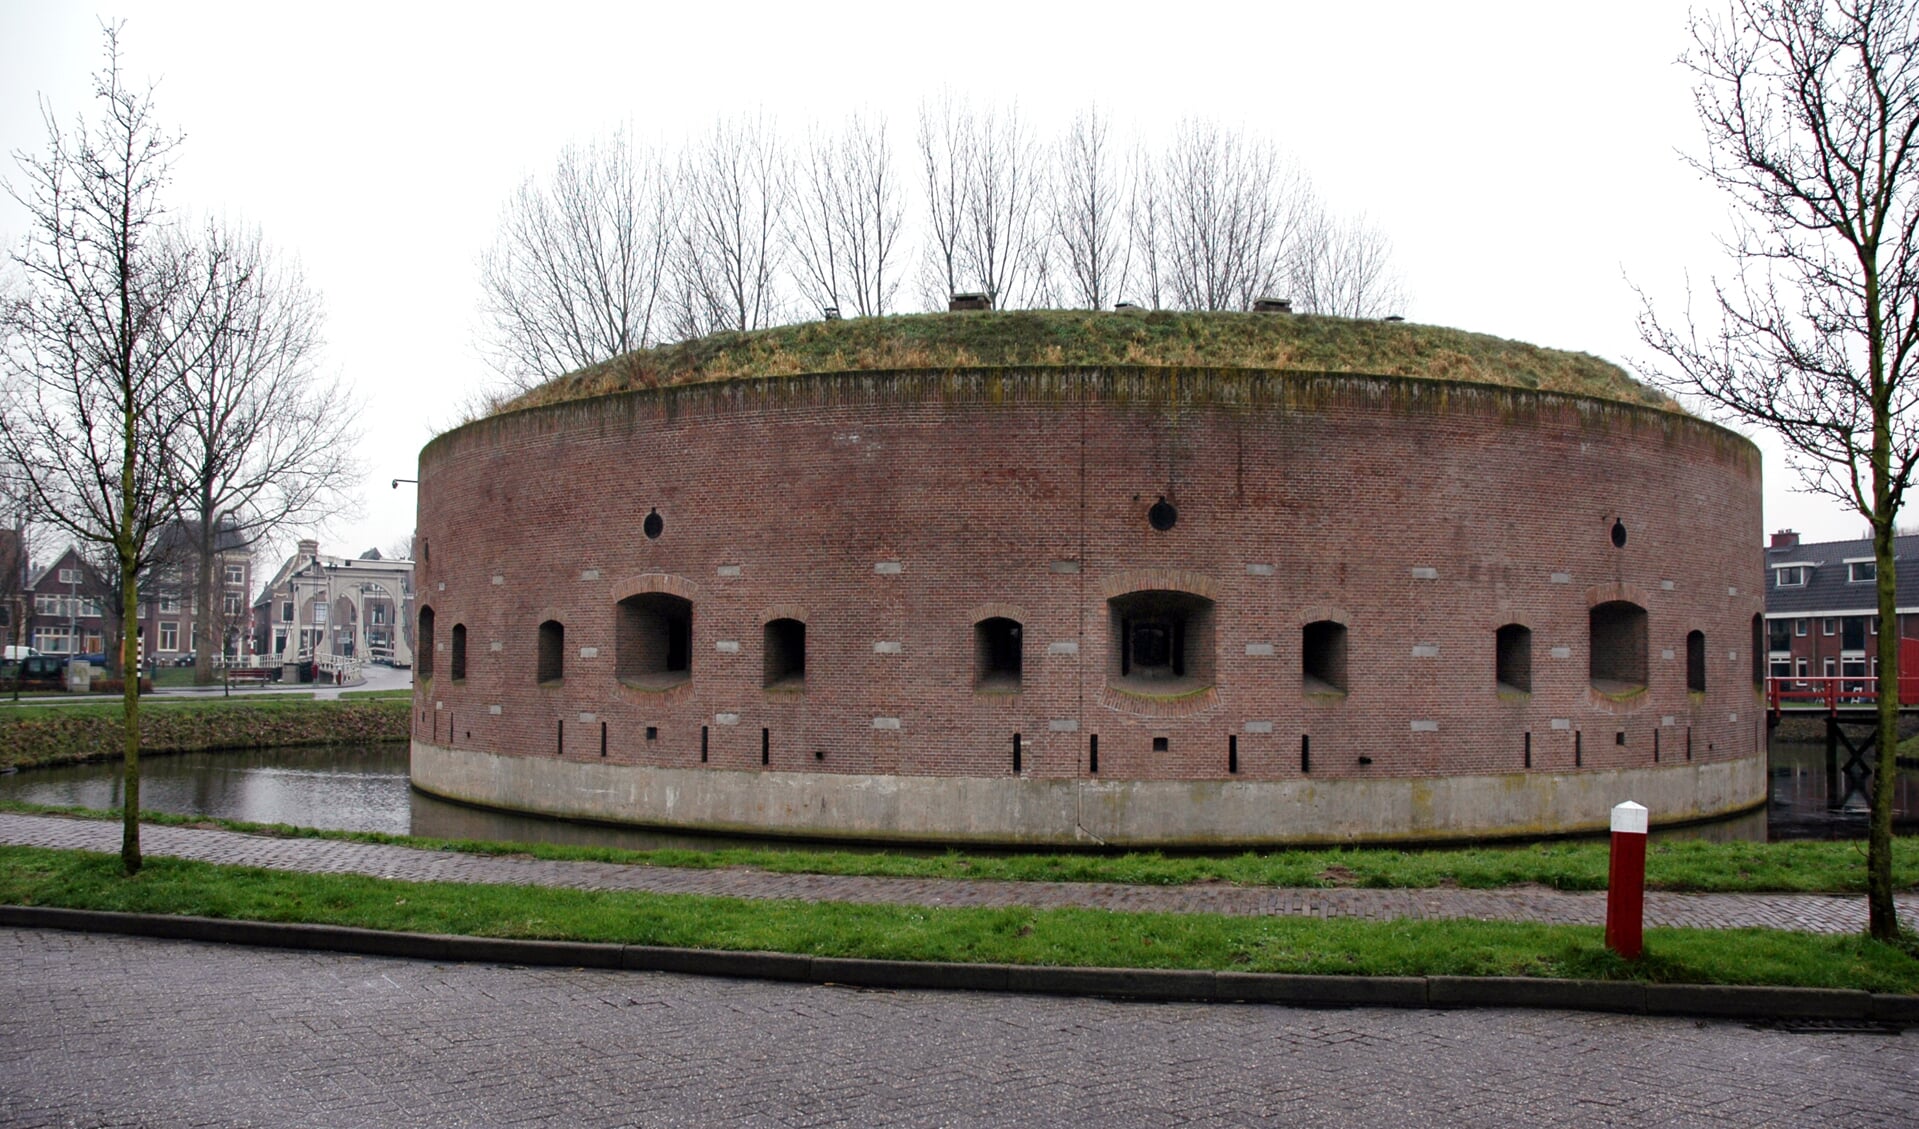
(1232, 211)
(1811, 109)
(263, 441)
(1090, 221)
(1343, 267)
(984, 178)
(1145, 227)
(577, 273)
(93, 348)
(844, 219)
(728, 255)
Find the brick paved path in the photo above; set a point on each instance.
(99, 1030)
(1814, 913)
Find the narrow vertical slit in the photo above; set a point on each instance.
(559, 738)
(602, 738)
(766, 747)
(1579, 749)
(1015, 754)
(1232, 755)
(1092, 754)
(1529, 748)
(1305, 753)
(702, 744)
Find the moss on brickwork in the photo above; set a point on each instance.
(70, 734)
(1088, 338)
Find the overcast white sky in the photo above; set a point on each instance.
(1522, 157)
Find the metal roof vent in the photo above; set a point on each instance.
(1272, 305)
(969, 300)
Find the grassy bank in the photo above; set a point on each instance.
(1685, 866)
(35, 735)
(1076, 938)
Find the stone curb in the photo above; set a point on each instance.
(1705, 1000)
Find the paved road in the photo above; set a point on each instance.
(100, 1030)
(1815, 913)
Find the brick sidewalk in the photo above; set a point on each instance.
(1810, 913)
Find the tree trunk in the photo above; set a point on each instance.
(202, 612)
(1882, 914)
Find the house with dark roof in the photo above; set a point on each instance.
(1822, 605)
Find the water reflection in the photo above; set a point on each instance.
(365, 788)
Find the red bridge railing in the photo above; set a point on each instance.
(1830, 695)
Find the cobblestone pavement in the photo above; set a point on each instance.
(1813, 913)
(100, 1030)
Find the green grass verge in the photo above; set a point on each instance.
(1687, 865)
(377, 695)
(1068, 937)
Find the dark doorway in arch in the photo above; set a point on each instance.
(458, 658)
(653, 641)
(1161, 642)
(1617, 641)
(551, 662)
(1323, 657)
(783, 650)
(1513, 659)
(997, 655)
(423, 654)
(1696, 662)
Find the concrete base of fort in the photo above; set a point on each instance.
(1080, 813)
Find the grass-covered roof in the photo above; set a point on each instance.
(920, 342)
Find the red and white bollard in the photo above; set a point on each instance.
(1626, 882)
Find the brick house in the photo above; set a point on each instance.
(66, 605)
(1822, 605)
(168, 608)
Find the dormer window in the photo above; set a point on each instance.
(1791, 576)
(1862, 570)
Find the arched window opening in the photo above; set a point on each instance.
(1617, 647)
(458, 662)
(1696, 661)
(423, 655)
(1162, 642)
(552, 657)
(1759, 650)
(784, 650)
(997, 655)
(1323, 657)
(1513, 659)
(653, 641)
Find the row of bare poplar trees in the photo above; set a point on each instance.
(623, 246)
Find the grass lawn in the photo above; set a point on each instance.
(1686, 865)
(1068, 937)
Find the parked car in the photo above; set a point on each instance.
(15, 654)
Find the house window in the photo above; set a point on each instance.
(376, 614)
(1513, 658)
(1828, 626)
(457, 660)
(1323, 657)
(653, 640)
(998, 654)
(1779, 634)
(169, 636)
(423, 660)
(551, 663)
(1782, 668)
(70, 576)
(783, 655)
(53, 640)
(1696, 662)
(1861, 571)
(233, 603)
(235, 574)
(1616, 662)
(169, 605)
(286, 611)
(1802, 667)
(1799, 626)
(1830, 666)
(1791, 577)
(1161, 641)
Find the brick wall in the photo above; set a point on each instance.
(892, 512)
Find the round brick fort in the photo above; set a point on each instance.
(1057, 604)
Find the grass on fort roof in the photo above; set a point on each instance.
(1295, 342)
(1057, 937)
